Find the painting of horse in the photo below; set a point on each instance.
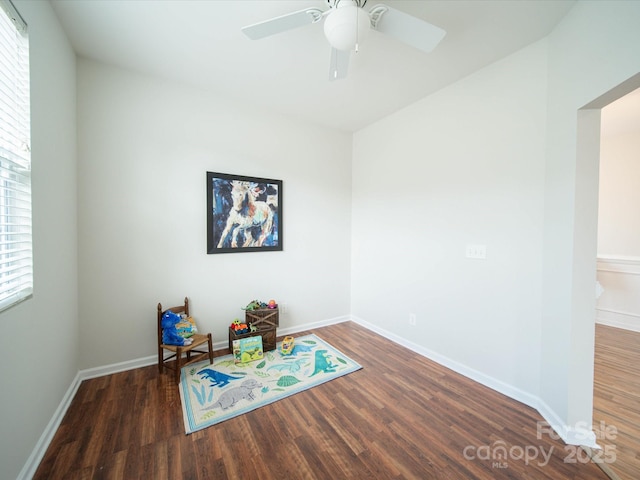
(243, 213)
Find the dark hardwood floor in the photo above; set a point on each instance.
(616, 398)
(401, 417)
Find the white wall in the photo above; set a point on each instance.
(595, 48)
(619, 230)
(494, 160)
(463, 166)
(144, 147)
(619, 215)
(40, 344)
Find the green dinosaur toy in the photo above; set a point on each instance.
(253, 305)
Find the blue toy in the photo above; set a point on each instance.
(170, 334)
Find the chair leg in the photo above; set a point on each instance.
(210, 349)
(178, 366)
(160, 360)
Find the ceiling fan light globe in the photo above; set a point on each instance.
(347, 26)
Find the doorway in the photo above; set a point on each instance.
(616, 413)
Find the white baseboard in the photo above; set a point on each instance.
(570, 435)
(618, 319)
(580, 434)
(311, 326)
(475, 375)
(30, 467)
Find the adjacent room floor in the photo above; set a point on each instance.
(616, 399)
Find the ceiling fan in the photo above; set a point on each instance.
(347, 24)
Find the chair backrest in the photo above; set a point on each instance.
(178, 309)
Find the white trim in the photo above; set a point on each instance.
(622, 259)
(14, 15)
(626, 265)
(570, 435)
(577, 435)
(311, 326)
(117, 367)
(619, 312)
(618, 319)
(615, 270)
(12, 301)
(457, 367)
(30, 467)
(612, 317)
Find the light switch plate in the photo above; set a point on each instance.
(477, 251)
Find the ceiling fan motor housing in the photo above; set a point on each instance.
(346, 26)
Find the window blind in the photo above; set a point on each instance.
(16, 252)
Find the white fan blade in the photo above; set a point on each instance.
(406, 28)
(339, 64)
(283, 23)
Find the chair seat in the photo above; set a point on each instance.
(198, 339)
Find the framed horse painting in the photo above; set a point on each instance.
(244, 214)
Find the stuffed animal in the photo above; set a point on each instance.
(170, 335)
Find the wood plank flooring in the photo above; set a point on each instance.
(401, 417)
(616, 398)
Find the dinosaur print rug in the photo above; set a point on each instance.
(211, 394)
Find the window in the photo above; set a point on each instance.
(16, 265)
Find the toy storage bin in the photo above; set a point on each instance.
(263, 317)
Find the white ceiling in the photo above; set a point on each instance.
(200, 43)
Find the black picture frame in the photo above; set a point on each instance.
(244, 214)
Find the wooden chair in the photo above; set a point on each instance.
(175, 360)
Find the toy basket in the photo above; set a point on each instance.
(267, 333)
(263, 317)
